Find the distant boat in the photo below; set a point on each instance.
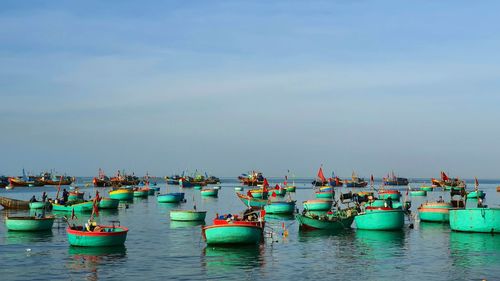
(447, 182)
(280, 207)
(96, 235)
(355, 181)
(101, 180)
(50, 179)
(393, 180)
(4, 181)
(122, 194)
(253, 179)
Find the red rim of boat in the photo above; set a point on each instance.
(89, 233)
(379, 208)
(388, 191)
(231, 225)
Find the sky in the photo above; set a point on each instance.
(232, 86)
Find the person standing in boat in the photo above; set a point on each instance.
(33, 199)
(44, 196)
(65, 196)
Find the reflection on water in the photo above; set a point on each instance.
(474, 249)
(25, 237)
(379, 244)
(433, 227)
(87, 260)
(185, 224)
(219, 258)
(271, 217)
(320, 234)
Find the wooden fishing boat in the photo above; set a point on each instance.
(435, 211)
(209, 192)
(141, 192)
(122, 194)
(97, 236)
(39, 205)
(251, 201)
(445, 181)
(170, 197)
(280, 207)
(108, 203)
(50, 179)
(291, 188)
(76, 195)
(151, 191)
(278, 191)
(259, 193)
(389, 194)
(19, 182)
(69, 207)
(418, 193)
(318, 205)
(475, 220)
(253, 179)
(33, 223)
(14, 204)
(187, 215)
(393, 180)
(476, 194)
(380, 218)
(355, 181)
(337, 220)
(185, 183)
(324, 194)
(232, 234)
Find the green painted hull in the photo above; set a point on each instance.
(280, 208)
(418, 193)
(182, 215)
(258, 195)
(232, 234)
(291, 188)
(124, 196)
(476, 194)
(168, 198)
(426, 188)
(311, 223)
(475, 220)
(380, 220)
(141, 193)
(197, 187)
(80, 207)
(318, 205)
(238, 188)
(327, 195)
(254, 203)
(107, 203)
(392, 196)
(430, 216)
(75, 197)
(105, 239)
(151, 191)
(435, 212)
(29, 223)
(210, 192)
(279, 192)
(39, 205)
(381, 203)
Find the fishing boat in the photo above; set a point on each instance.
(380, 218)
(209, 192)
(252, 179)
(48, 178)
(232, 234)
(335, 181)
(122, 194)
(476, 194)
(280, 207)
(498, 188)
(393, 180)
(97, 235)
(320, 179)
(185, 183)
(14, 204)
(70, 206)
(141, 192)
(252, 202)
(39, 205)
(389, 194)
(418, 193)
(25, 181)
(259, 193)
(384, 203)
(75, 195)
(4, 181)
(122, 179)
(435, 211)
(355, 181)
(481, 219)
(108, 203)
(337, 220)
(277, 191)
(33, 223)
(173, 180)
(447, 182)
(187, 215)
(318, 205)
(170, 197)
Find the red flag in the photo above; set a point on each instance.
(262, 213)
(274, 194)
(249, 194)
(444, 176)
(265, 184)
(321, 176)
(337, 181)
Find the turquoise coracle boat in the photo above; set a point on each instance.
(107, 203)
(318, 205)
(170, 197)
(475, 220)
(232, 234)
(29, 223)
(141, 192)
(338, 220)
(78, 207)
(380, 218)
(252, 202)
(324, 194)
(122, 194)
(187, 215)
(100, 236)
(280, 207)
(39, 205)
(418, 193)
(210, 192)
(389, 194)
(435, 211)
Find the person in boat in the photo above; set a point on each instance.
(388, 203)
(440, 200)
(44, 196)
(479, 202)
(33, 199)
(65, 195)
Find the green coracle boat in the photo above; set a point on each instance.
(108, 203)
(476, 194)
(123, 194)
(427, 188)
(210, 192)
(169, 198)
(280, 207)
(33, 223)
(475, 220)
(291, 188)
(324, 194)
(318, 205)
(39, 205)
(380, 218)
(101, 236)
(389, 194)
(338, 220)
(143, 193)
(418, 193)
(435, 211)
(232, 234)
(185, 224)
(252, 202)
(197, 187)
(238, 188)
(187, 215)
(78, 207)
(384, 203)
(75, 195)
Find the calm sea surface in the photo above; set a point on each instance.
(158, 249)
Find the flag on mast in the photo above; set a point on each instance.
(321, 176)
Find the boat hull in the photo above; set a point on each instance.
(121, 194)
(435, 212)
(380, 220)
(307, 222)
(252, 202)
(284, 208)
(79, 207)
(393, 195)
(141, 193)
(476, 194)
(187, 215)
(39, 205)
(324, 194)
(418, 193)
(109, 203)
(232, 234)
(291, 188)
(318, 205)
(210, 192)
(475, 220)
(97, 239)
(170, 198)
(29, 223)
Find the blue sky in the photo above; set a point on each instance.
(230, 86)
